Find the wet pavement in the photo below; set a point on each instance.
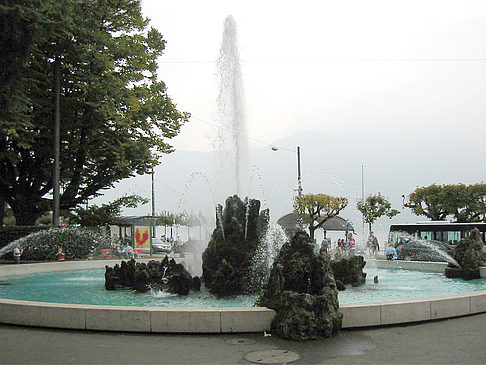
(454, 341)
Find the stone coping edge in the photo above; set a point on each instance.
(211, 320)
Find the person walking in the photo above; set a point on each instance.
(372, 244)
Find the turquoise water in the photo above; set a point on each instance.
(396, 284)
(87, 287)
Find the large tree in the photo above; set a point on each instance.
(316, 209)
(464, 203)
(429, 201)
(116, 116)
(104, 215)
(374, 207)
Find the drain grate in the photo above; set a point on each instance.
(272, 357)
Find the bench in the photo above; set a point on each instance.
(140, 252)
(108, 252)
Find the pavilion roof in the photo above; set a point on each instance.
(291, 221)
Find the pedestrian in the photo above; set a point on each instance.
(340, 247)
(391, 252)
(129, 252)
(17, 252)
(60, 254)
(324, 245)
(351, 245)
(372, 244)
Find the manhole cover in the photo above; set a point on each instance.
(240, 341)
(272, 357)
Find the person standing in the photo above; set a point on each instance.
(60, 254)
(351, 245)
(17, 252)
(372, 244)
(324, 245)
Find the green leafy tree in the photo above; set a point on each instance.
(476, 203)
(102, 216)
(165, 219)
(116, 117)
(457, 199)
(374, 207)
(462, 203)
(429, 201)
(316, 209)
(188, 220)
(20, 26)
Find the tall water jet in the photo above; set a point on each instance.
(232, 137)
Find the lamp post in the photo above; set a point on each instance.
(299, 177)
(153, 205)
(57, 136)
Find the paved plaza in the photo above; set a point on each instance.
(454, 341)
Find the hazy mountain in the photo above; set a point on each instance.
(330, 163)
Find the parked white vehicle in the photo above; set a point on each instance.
(159, 245)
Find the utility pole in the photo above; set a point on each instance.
(299, 179)
(57, 137)
(362, 196)
(153, 205)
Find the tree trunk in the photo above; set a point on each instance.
(25, 212)
(2, 210)
(312, 231)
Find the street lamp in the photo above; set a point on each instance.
(153, 205)
(57, 137)
(299, 178)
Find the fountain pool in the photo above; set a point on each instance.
(158, 319)
(87, 287)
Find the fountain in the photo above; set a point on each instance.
(264, 256)
(153, 312)
(241, 228)
(232, 137)
(78, 243)
(412, 248)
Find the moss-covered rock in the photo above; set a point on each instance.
(302, 290)
(227, 259)
(166, 275)
(349, 270)
(468, 254)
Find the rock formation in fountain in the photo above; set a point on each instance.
(349, 271)
(227, 259)
(165, 275)
(468, 254)
(302, 290)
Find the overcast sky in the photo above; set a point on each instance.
(338, 66)
(392, 77)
